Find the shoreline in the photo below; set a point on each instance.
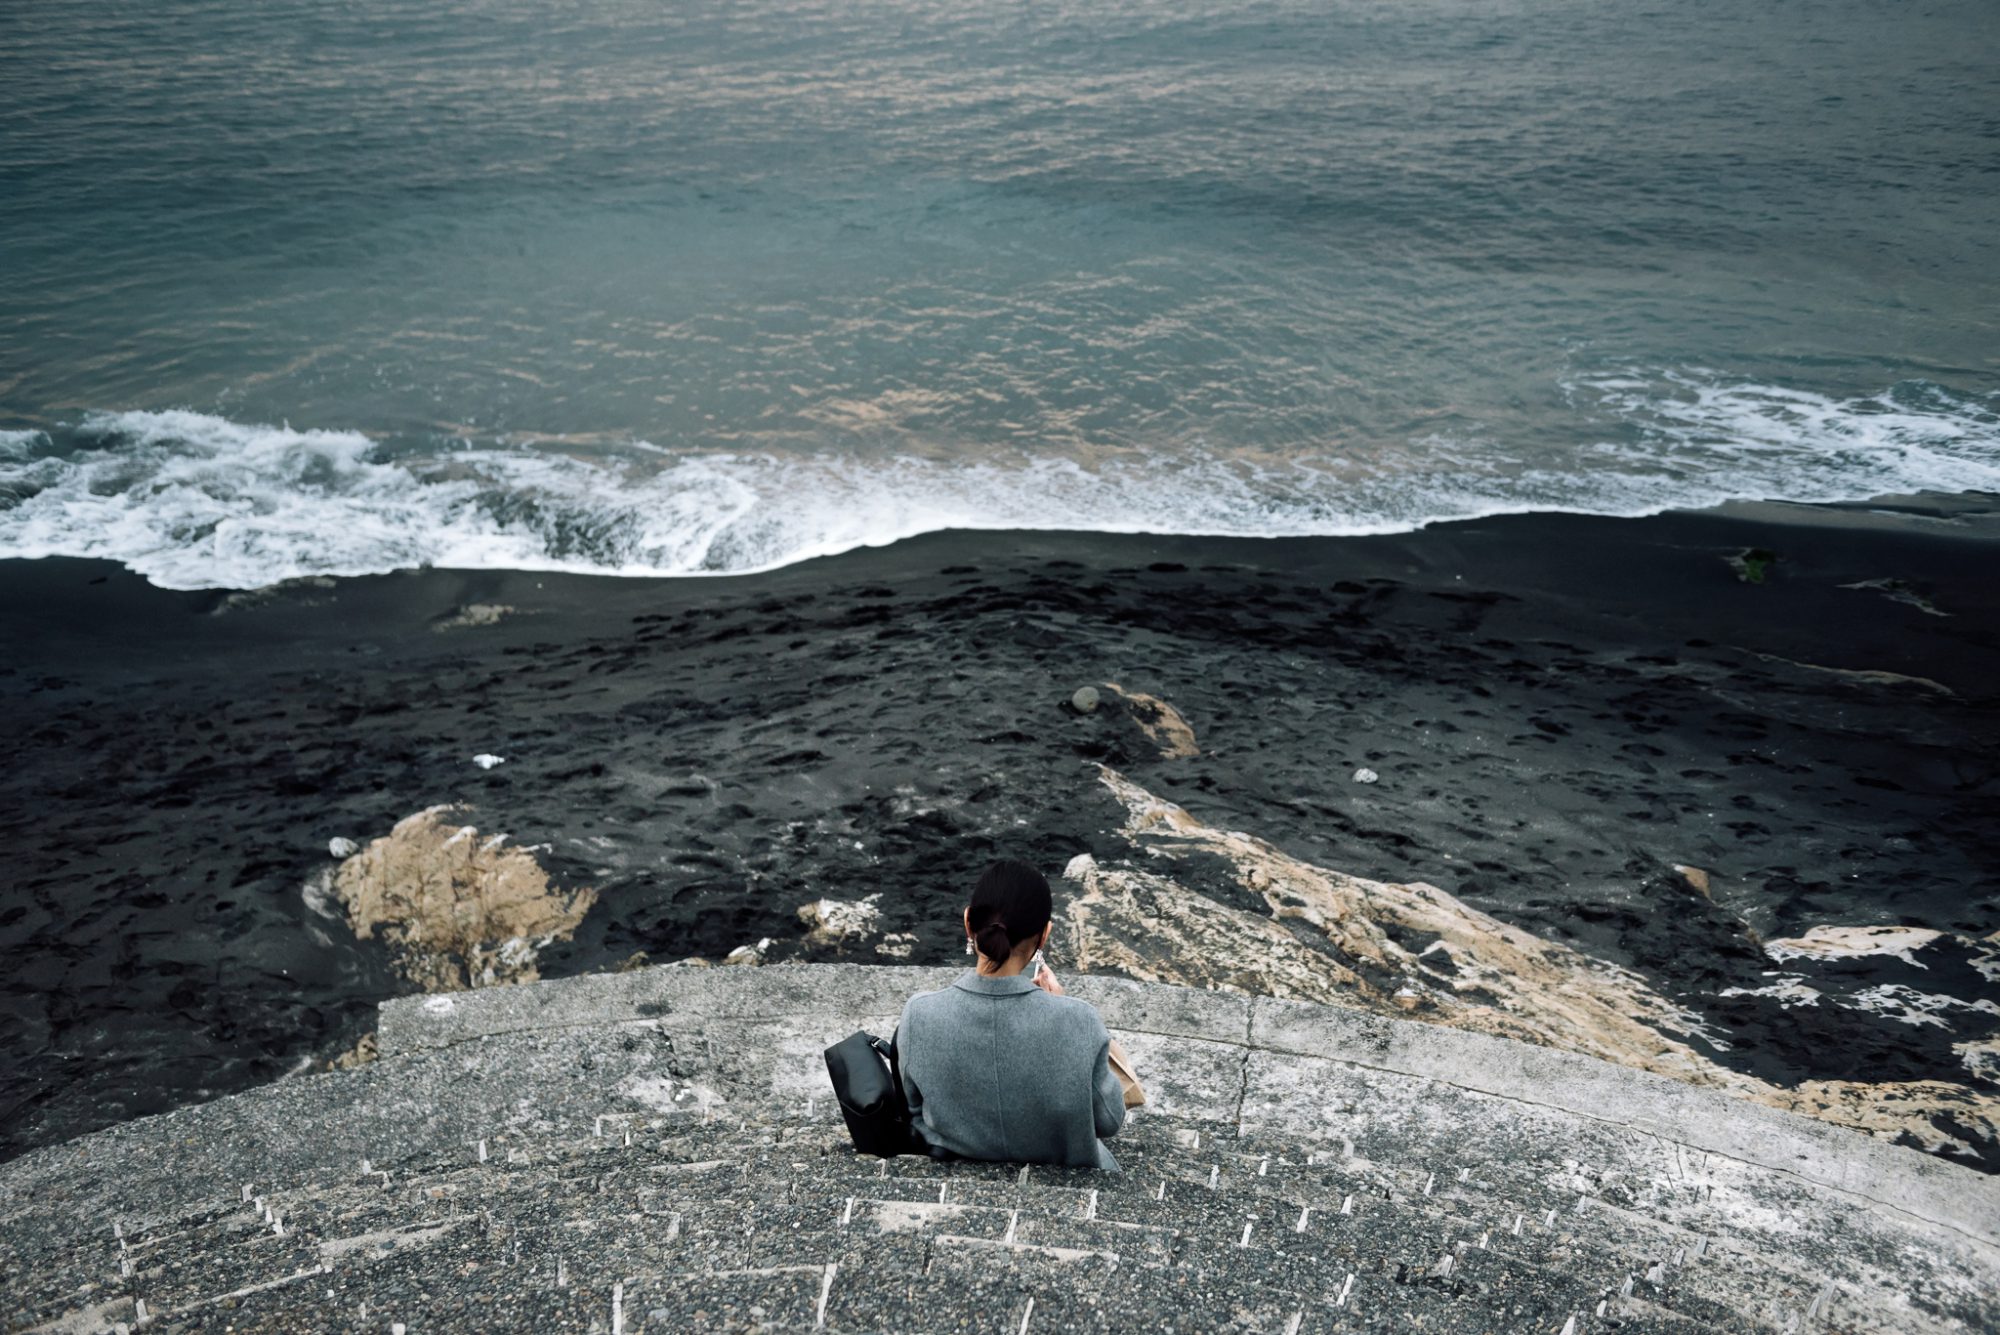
(1561, 710)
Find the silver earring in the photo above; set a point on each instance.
(968, 945)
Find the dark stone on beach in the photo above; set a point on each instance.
(1752, 564)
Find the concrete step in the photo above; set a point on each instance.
(655, 1176)
(900, 1198)
(1378, 1231)
(764, 1218)
(1591, 1221)
(423, 1291)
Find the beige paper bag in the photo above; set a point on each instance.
(1121, 1066)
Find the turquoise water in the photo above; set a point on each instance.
(294, 288)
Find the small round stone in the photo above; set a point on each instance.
(1085, 700)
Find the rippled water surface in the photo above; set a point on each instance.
(692, 286)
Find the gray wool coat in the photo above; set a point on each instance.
(996, 1068)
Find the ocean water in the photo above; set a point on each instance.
(682, 287)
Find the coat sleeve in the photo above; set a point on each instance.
(1108, 1094)
(911, 1094)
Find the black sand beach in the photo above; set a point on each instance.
(1804, 702)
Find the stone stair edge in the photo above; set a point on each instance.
(1093, 1194)
(1713, 1121)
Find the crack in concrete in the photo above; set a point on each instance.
(1243, 1072)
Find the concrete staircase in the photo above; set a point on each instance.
(657, 1152)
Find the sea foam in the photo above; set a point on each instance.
(196, 501)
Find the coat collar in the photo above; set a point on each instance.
(988, 986)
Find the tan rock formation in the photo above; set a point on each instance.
(1894, 1109)
(1826, 943)
(834, 920)
(365, 1050)
(460, 911)
(1160, 721)
(475, 614)
(1416, 951)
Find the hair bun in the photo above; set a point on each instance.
(994, 941)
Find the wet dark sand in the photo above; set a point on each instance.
(1560, 708)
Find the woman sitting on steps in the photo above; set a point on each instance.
(1001, 1065)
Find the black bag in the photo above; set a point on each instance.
(863, 1070)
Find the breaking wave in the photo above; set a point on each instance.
(196, 501)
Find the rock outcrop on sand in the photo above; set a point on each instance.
(1266, 923)
(458, 909)
(1160, 721)
(834, 920)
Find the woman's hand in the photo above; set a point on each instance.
(1045, 979)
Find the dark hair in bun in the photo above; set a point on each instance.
(1011, 904)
